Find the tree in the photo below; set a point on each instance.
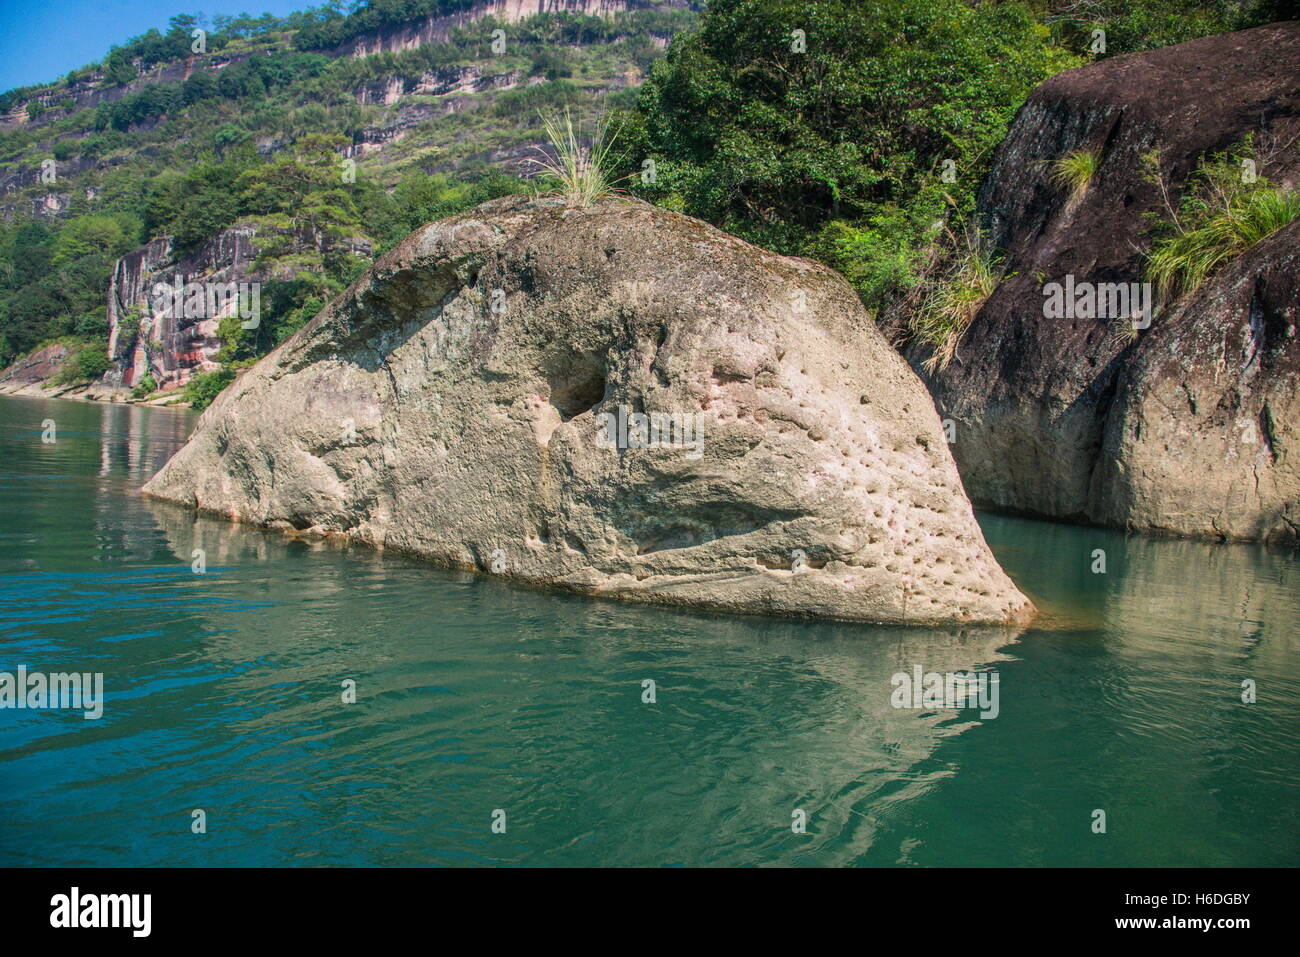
(118, 68)
(88, 236)
(780, 117)
(305, 188)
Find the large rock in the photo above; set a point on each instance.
(31, 374)
(1203, 434)
(1192, 428)
(451, 404)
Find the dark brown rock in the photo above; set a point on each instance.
(1062, 417)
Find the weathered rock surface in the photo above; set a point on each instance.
(165, 344)
(30, 375)
(1192, 428)
(1203, 434)
(451, 403)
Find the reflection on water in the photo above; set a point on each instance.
(223, 693)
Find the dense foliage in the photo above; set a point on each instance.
(53, 283)
(857, 132)
(826, 127)
(1134, 25)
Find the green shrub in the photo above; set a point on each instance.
(93, 361)
(551, 63)
(1222, 213)
(883, 255)
(201, 390)
(93, 325)
(144, 387)
(86, 363)
(529, 100)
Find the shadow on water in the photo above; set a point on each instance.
(224, 693)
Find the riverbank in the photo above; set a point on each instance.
(39, 375)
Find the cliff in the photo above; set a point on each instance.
(437, 29)
(167, 344)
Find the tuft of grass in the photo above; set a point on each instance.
(955, 300)
(1075, 170)
(1226, 207)
(583, 174)
(1122, 332)
(1183, 261)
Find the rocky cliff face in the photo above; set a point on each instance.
(31, 374)
(437, 29)
(87, 93)
(455, 88)
(445, 82)
(51, 203)
(1192, 427)
(168, 344)
(128, 296)
(145, 341)
(617, 401)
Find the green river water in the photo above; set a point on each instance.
(222, 692)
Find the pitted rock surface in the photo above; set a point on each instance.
(452, 404)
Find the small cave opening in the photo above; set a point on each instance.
(577, 384)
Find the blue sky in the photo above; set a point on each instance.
(41, 40)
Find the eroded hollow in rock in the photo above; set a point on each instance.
(577, 383)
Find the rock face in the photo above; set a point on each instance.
(167, 344)
(30, 374)
(1203, 434)
(437, 28)
(1192, 428)
(476, 398)
(169, 348)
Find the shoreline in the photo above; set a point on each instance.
(82, 394)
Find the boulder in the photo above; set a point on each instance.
(1191, 427)
(1203, 431)
(614, 400)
